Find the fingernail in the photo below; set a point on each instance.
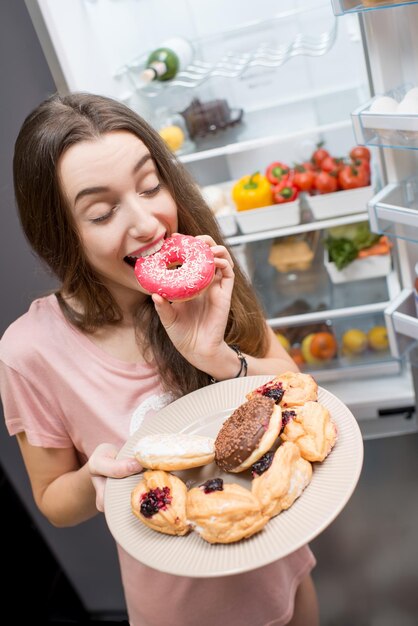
(134, 466)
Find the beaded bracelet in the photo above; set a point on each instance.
(242, 359)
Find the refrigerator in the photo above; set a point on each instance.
(272, 81)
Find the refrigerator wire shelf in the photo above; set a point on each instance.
(232, 65)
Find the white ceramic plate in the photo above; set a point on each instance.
(203, 412)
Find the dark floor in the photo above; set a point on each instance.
(36, 591)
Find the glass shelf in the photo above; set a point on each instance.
(369, 362)
(235, 63)
(280, 291)
(387, 130)
(341, 7)
(290, 119)
(394, 210)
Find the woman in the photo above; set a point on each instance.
(96, 187)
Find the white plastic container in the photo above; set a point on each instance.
(345, 202)
(269, 217)
(228, 224)
(371, 267)
(264, 218)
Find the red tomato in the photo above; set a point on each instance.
(285, 192)
(303, 179)
(330, 164)
(308, 165)
(325, 182)
(352, 177)
(319, 155)
(364, 163)
(276, 172)
(360, 152)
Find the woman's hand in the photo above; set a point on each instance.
(197, 327)
(103, 464)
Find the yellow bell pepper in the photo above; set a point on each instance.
(252, 192)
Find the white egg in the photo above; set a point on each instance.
(383, 104)
(408, 106)
(224, 210)
(412, 93)
(214, 197)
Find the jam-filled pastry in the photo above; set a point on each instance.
(281, 479)
(174, 451)
(311, 428)
(159, 501)
(247, 434)
(224, 513)
(289, 389)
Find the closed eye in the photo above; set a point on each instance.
(106, 216)
(151, 192)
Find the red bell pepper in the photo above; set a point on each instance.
(285, 191)
(276, 172)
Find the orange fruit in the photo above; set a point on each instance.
(306, 349)
(297, 356)
(324, 346)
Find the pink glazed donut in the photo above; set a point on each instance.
(180, 270)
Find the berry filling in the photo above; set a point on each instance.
(155, 500)
(213, 484)
(272, 391)
(262, 465)
(287, 416)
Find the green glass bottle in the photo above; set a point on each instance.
(166, 61)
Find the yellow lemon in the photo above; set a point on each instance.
(284, 341)
(354, 341)
(306, 349)
(173, 137)
(378, 338)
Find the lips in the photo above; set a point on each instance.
(131, 259)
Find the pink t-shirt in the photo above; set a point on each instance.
(62, 391)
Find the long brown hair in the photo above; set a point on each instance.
(54, 126)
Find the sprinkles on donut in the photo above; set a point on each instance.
(179, 271)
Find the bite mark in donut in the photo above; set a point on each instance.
(179, 271)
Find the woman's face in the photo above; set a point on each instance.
(119, 205)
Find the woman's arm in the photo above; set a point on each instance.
(276, 361)
(62, 488)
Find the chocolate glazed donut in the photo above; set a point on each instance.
(247, 434)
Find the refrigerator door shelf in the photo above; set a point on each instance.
(402, 324)
(393, 210)
(387, 128)
(340, 7)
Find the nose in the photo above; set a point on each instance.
(143, 224)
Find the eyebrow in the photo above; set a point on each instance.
(88, 191)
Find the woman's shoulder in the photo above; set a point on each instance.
(30, 330)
